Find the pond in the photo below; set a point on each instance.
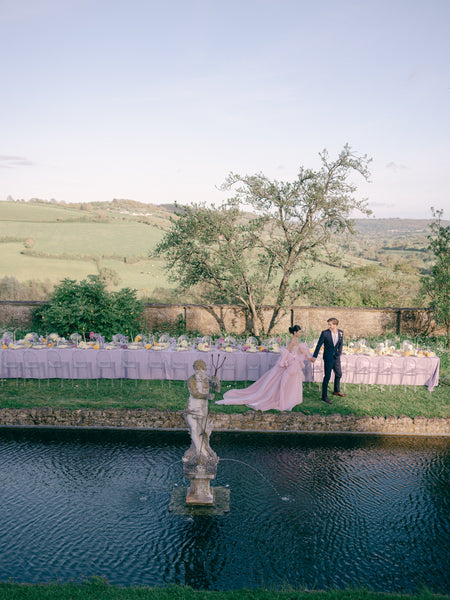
(311, 511)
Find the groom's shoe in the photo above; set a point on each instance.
(339, 394)
(327, 400)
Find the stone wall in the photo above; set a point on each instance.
(248, 421)
(210, 319)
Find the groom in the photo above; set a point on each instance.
(332, 340)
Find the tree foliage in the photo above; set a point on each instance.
(85, 306)
(371, 286)
(32, 289)
(436, 285)
(243, 258)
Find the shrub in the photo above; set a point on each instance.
(87, 306)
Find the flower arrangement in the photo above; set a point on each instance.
(183, 343)
(96, 340)
(250, 345)
(31, 339)
(204, 344)
(53, 339)
(6, 339)
(272, 345)
(203, 347)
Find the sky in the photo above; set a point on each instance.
(159, 100)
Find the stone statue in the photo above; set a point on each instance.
(200, 461)
(196, 413)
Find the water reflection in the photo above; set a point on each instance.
(317, 511)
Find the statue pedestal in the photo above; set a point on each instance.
(220, 507)
(200, 473)
(199, 492)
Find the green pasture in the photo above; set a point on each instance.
(86, 243)
(144, 275)
(23, 267)
(124, 238)
(29, 211)
(76, 245)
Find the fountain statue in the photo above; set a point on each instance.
(200, 461)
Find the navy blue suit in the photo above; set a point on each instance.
(331, 359)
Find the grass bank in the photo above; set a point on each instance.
(376, 401)
(97, 589)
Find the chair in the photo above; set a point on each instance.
(410, 372)
(81, 361)
(105, 365)
(178, 368)
(31, 366)
(130, 367)
(227, 371)
(384, 375)
(361, 373)
(12, 365)
(344, 369)
(398, 371)
(55, 363)
(253, 368)
(156, 367)
(317, 371)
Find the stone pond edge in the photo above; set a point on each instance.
(153, 419)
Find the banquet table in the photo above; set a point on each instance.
(119, 363)
(384, 370)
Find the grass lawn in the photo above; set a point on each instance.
(374, 402)
(97, 589)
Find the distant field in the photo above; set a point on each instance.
(125, 238)
(121, 237)
(20, 211)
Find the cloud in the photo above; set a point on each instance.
(9, 162)
(395, 167)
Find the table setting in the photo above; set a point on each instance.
(150, 356)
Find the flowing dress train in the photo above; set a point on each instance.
(280, 388)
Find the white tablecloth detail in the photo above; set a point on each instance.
(75, 363)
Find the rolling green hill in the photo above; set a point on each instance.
(50, 241)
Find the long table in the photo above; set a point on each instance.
(76, 363)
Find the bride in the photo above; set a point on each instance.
(281, 386)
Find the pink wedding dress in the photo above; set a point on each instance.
(279, 388)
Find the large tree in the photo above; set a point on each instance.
(436, 285)
(247, 250)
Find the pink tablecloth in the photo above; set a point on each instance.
(385, 370)
(71, 363)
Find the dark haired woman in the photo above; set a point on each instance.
(281, 386)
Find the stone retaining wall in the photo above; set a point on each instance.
(248, 421)
(211, 319)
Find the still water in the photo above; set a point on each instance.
(314, 511)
